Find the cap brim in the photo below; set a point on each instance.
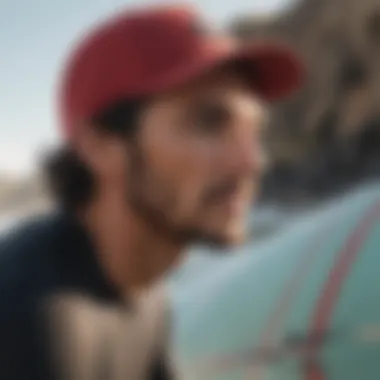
(273, 70)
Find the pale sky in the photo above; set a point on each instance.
(35, 36)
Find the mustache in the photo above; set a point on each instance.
(227, 188)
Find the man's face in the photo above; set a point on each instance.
(196, 162)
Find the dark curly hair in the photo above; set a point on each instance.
(69, 180)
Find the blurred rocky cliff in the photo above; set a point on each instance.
(327, 136)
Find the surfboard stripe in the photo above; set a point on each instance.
(331, 290)
(275, 322)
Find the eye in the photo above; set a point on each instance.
(210, 117)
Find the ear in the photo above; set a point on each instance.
(103, 153)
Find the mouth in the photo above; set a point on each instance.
(232, 204)
(232, 199)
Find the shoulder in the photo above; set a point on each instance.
(27, 254)
(28, 266)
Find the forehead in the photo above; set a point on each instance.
(225, 83)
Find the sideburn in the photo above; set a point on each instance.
(149, 198)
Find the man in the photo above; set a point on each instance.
(161, 121)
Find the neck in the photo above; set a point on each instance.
(131, 254)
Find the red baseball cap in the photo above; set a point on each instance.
(146, 52)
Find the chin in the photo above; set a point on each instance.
(236, 239)
(224, 239)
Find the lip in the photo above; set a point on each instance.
(233, 204)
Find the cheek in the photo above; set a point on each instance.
(184, 167)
